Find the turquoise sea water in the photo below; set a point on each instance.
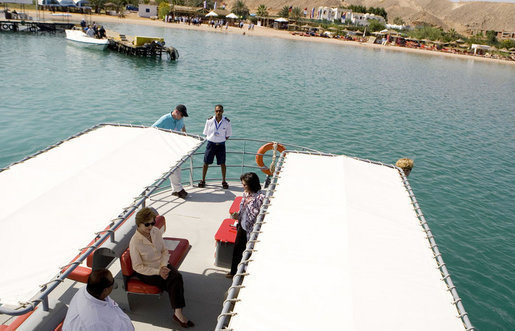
(454, 117)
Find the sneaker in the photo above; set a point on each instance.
(202, 184)
(225, 185)
(181, 194)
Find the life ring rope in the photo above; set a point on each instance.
(276, 147)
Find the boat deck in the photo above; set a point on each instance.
(197, 219)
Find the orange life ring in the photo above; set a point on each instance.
(261, 151)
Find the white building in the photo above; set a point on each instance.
(147, 10)
(363, 19)
(333, 14)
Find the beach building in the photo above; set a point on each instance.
(147, 10)
(363, 19)
(332, 14)
(505, 34)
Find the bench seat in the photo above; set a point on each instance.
(177, 247)
(235, 207)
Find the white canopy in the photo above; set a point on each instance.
(281, 19)
(53, 203)
(342, 249)
(211, 13)
(476, 46)
(231, 15)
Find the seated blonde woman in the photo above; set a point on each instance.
(150, 257)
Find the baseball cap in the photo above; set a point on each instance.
(182, 109)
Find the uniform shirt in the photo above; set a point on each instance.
(168, 122)
(87, 313)
(217, 132)
(148, 257)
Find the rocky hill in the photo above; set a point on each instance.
(461, 16)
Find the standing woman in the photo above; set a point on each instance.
(149, 258)
(249, 209)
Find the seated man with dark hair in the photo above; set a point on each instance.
(92, 309)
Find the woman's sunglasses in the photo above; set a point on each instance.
(149, 224)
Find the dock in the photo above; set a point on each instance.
(140, 46)
(33, 26)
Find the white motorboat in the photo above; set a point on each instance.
(340, 242)
(82, 39)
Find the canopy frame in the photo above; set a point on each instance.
(140, 200)
(237, 283)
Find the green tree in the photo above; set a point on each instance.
(399, 21)
(97, 5)
(296, 13)
(358, 9)
(507, 43)
(491, 37)
(163, 9)
(284, 12)
(262, 11)
(240, 9)
(375, 25)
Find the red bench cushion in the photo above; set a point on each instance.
(235, 207)
(17, 322)
(137, 286)
(80, 274)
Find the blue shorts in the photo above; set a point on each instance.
(213, 149)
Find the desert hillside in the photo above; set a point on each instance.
(462, 16)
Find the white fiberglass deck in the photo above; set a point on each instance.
(52, 204)
(342, 248)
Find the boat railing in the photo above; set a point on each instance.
(241, 157)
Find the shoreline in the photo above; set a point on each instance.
(132, 18)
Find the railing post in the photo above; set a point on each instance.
(191, 171)
(243, 157)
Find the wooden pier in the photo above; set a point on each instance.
(33, 26)
(135, 46)
(140, 46)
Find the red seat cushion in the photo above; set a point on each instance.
(59, 327)
(235, 207)
(178, 248)
(17, 322)
(126, 263)
(135, 285)
(160, 221)
(226, 232)
(80, 274)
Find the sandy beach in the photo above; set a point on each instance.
(133, 18)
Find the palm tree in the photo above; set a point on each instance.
(284, 12)
(240, 9)
(262, 11)
(296, 13)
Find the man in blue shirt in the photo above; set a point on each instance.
(174, 121)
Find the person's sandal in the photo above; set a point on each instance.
(225, 185)
(202, 184)
(183, 324)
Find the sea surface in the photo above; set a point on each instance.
(454, 117)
